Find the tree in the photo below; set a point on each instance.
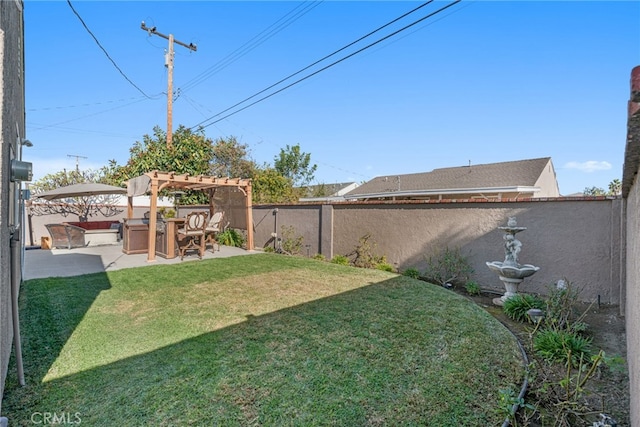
(230, 158)
(192, 153)
(83, 207)
(195, 154)
(269, 186)
(295, 166)
(615, 188)
(593, 191)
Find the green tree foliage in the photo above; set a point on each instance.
(295, 165)
(230, 158)
(83, 207)
(593, 191)
(192, 153)
(195, 154)
(269, 186)
(615, 188)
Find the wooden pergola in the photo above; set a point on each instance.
(153, 182)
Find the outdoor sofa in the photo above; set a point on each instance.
(88, 233)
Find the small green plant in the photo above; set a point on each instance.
(560, 312)
(230, 237)
(291, 242)
(363, 255)
(509, 403)
(269, 249)
(412, 272)
(472, 288)
(447, 266)
(561, 346)
(516, 307)
(319, 257)
(166, 213)
(563, 390)
(340, 259)
(385, 266)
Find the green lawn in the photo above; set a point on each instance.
(258, 340)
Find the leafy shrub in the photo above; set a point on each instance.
(340, 259)
(230, 237)
(269, 249)
(447, 266)
(517, 306)
(166, 213)
(412, 272)
(472, 288)
(363, 255)
(560, 308)
(385, 266)
(560, 346)
(320, 257)
(291, 242)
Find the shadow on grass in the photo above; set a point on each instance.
(394, 352)
(49, 313)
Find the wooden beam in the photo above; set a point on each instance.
(130, 207)
(153, 219)
(249, 205)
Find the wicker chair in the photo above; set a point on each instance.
(192, 235)
(66, 236)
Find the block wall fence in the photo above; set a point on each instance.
(578, 240)
(575, 239)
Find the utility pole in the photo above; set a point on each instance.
(77, 160)
(168, 62)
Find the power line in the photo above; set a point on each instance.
(90, 115)
(202, 125)
(70, 130)
(254, 42)
(322, 59)
(90, 104)
(105, 51)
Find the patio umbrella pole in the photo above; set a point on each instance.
(16, 278)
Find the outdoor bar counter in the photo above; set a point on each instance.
(135, 239)
(135, 236)
(167, 242)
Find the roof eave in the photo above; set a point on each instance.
(437, 192)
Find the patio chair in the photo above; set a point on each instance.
(192, 234)
(66, 236)
(213, 228)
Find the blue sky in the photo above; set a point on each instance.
(481, 82)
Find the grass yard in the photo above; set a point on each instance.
(258, 340)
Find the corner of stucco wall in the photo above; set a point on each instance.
(631, 195)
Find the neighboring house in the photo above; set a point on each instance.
(12, 139)
(327, 192)
(493, 181)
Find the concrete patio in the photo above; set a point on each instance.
(39, 263)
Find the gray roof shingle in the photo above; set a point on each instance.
(492, 175)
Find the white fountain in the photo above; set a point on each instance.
(510, 272)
